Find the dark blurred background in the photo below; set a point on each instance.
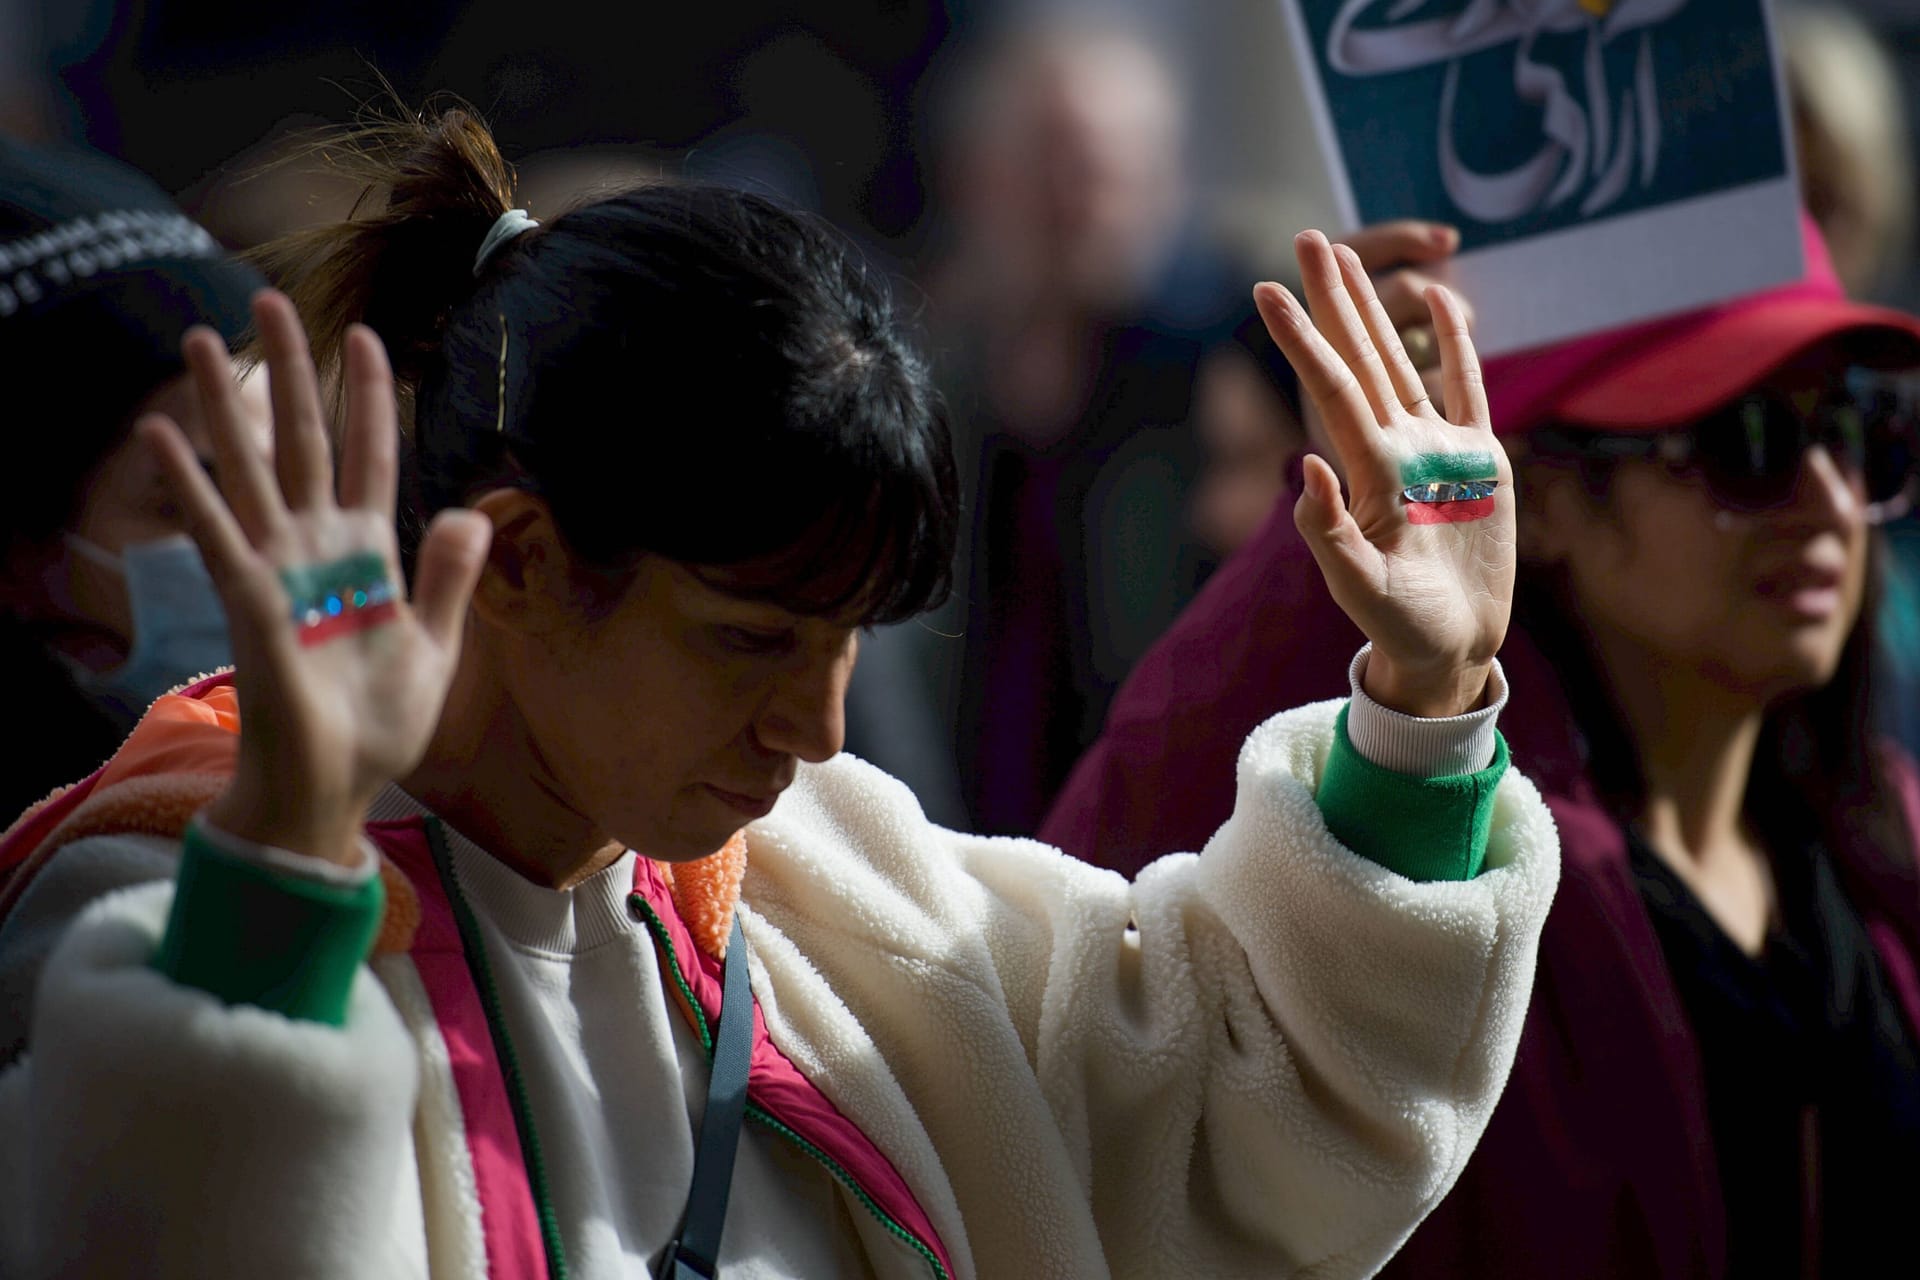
(815, 99)
(823, 100)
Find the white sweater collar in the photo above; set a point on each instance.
(531, 916)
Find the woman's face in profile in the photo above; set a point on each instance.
(1758, 602)
(678, 716)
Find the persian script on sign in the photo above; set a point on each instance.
(1606, 161)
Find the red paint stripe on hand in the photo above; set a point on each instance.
(347, 623)
(1449, 512)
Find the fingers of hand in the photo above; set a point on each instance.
(1401, 368)
(1324, 376)
(1336, 316)
(451, 557)
(1338, 546)
(1320, 508)
(246, 479)
(1404, 295)
(1385, 245)
(369, 472)
(223, 543)
(1465, 390)
(301, 456)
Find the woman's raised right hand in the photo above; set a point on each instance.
(327, 722)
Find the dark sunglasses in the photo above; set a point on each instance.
(1748, 454)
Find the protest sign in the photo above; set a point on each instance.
(1606, 161)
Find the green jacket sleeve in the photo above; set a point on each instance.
(252, 934)
(1422, 828)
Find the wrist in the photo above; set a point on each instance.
(328, 831)
(1430, 693)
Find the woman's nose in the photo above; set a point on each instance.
(1826, 491)
(806, 716)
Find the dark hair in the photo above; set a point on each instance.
(679, 369)
(1821, 769)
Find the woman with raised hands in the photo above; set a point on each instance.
(408, 948)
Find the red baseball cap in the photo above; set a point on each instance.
(1676, 370)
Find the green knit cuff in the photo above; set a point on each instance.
(1422, 828)
(251, 934)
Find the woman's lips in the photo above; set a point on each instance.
(1812, 592)
(751, 807)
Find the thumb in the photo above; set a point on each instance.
(1339, 548)
(451, 556)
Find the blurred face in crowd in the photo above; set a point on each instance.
(1666, 574)
(125, 501)
(1071, 177)
(1247, 438)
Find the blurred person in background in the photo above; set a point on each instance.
(407, 948)
(1851, 138)
(1249, 438)
(1718, 1076)
(1857, 176)
(1069, 308)
(105, 604)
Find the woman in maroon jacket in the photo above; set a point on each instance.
(1722, 1036)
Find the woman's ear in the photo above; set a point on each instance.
(526, 583)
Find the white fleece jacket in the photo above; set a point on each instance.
(1267, 1059)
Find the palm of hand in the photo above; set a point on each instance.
(354, 712)
(1433, 593)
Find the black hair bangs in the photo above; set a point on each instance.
(863, 528)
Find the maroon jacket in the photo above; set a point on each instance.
(1598, 1161)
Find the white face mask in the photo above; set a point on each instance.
(179, 626)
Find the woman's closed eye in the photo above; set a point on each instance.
(756, 640)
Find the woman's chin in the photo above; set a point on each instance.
(1801, 670)
(695, 831)
(693, 846)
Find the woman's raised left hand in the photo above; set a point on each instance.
(334, 704)
(1430, 584)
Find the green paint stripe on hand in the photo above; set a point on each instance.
(309, 582)
(1447, 468)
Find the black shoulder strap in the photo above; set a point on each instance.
(696, 1254)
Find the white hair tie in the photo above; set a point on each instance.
(508, 225)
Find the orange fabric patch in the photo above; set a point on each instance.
(705, 891)
(181, 735)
